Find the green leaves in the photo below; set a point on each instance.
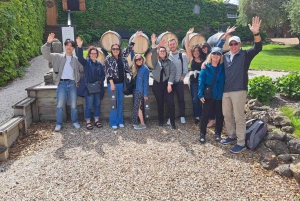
(289, 85)
(261, 88)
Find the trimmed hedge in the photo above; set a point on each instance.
(22, 25)
(154, 16)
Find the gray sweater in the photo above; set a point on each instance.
(177, 62)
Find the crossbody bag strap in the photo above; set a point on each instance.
(215, 76)
(180, 57)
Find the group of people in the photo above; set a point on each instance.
(218, 83)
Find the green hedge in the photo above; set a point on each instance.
(21, 29)
(148, 15)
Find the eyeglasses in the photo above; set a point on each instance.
(233, 44)
(216, 53)
(93, 53)
(115, 49)
(138, 59)
(162, 50)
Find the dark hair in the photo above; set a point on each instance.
(120, 52)
(73, 43)
(205, 44)
(90, 49)
(201, 54)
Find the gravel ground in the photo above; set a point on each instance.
(152, 164)
(15, 91)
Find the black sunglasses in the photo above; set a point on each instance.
(216, 53)
(138, 59)
(233, 44)
(115, 48)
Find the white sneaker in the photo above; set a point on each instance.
(57, 128)
(168, 122)
(114, 127)
(140, 127)
(76, 125)
(134, 125)
(121, 125)
(182, 120)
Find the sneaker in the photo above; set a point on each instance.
(114, 127)
(140, 127)
(211, 123)
(121, 125)
(228, 140)
(134, 125)
(237, 149)
(76, 125)
(197, 121)
(168, 122)
(182, 120)
(57, 128)
(202, 138)
(217, 137)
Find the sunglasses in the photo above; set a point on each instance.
(138, 59)
(233, 44)
(115, 49)
(216, 53)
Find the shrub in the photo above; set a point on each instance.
(289, 85)
(261, 88)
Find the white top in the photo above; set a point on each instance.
(68, 72)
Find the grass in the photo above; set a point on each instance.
(276, 57)
(288, 111)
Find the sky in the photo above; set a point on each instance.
(234, 1)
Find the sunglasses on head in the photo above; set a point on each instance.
(115, 49)
(233, 44)
(138, 59)
(216, 53)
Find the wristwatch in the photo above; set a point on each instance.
(257, 34)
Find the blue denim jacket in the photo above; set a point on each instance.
(142, 81)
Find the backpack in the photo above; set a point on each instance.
(255, 133)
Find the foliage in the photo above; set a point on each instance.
(292, 7)
(295, 120)
(276, 57)
(261, 88)
(270, 11)
(21, 29)
(153, 16)
(289, 85)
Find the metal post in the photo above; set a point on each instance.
(69, 18)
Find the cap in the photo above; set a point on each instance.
(236, 38)
(216, 49)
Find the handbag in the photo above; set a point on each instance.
(93, 87)
(128, 85)
(208, 89)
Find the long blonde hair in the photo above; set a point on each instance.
(134, 66)
(208, 59)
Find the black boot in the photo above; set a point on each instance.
(202, 138)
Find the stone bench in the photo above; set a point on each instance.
(24, 108)
(9, 132)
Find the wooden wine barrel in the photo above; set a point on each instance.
(166, 35)
(183, 51)
(194, 39)
(108, 39)
(214, 39)
(148, 61)
(102, 55)
(141, 43)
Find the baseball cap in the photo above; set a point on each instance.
(216, 49)
(236, 38)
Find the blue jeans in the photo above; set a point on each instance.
(66, 89)
(116, 115)
(197, 105)
(90, 101)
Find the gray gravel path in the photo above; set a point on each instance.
(34, 74)
(15, 91)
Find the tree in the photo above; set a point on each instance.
(292, 8)
(272, 12)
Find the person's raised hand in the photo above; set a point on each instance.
(162, 43)
(50, 38)
(191, 30)
(230, 29)
(79, 42)
(153, 38)
(254, 27)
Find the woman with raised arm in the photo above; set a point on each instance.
(93, 73)
(116, 67)
(164, 73)
(214, 77)
(141, 75)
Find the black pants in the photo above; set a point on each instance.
(160, 92)
(207, 105)
(179, 89)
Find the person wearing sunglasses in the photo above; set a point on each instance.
(116, 65)
(93, 73)
(237, 62)
(214, 76)
(141, 75)
(164, 72)
(67, 72)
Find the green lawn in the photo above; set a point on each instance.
(276, 57)
(288, 111)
